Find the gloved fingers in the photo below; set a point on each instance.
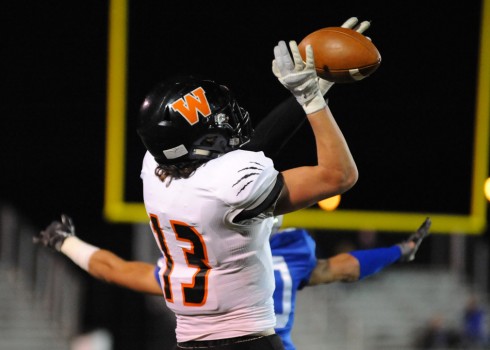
(421, 233)
(310, 58)
(65, 219)
(350, 23)
(418, 237)
(408, 252)
(362, 27)
(423, 230)
(282, 58)
(58, 228)
(275, 69)
(299, 65)
(42, 238)
(53, 227)
(68, 222)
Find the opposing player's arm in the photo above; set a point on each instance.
(99, 263)
(336, 171)
(359, 264)
(339, 268)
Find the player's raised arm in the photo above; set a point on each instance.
(336, 171)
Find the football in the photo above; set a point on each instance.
(342, 55)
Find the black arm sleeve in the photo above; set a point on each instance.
(274, 131)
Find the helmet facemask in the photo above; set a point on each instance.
(229, 130)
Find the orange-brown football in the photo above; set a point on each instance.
(342, 55)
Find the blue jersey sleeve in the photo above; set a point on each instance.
(293, 253)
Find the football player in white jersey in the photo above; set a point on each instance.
(211, 202)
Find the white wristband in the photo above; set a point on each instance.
(78, 251)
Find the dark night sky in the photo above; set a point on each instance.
(409, 126)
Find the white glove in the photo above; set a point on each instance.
(410, 246)
(351, 23)
(297, 76)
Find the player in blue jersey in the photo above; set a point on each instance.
(293, 254)
(296, 266)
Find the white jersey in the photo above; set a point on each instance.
(218, 277)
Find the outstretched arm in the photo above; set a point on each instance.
(335, 171)
(339, 268)
(135, 275)
(357, 265)
(99, 263)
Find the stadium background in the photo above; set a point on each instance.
(409, 126)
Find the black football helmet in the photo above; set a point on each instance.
(187, 118)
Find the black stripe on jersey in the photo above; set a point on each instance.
(247, 176)
(244, 187)
(266, 204)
